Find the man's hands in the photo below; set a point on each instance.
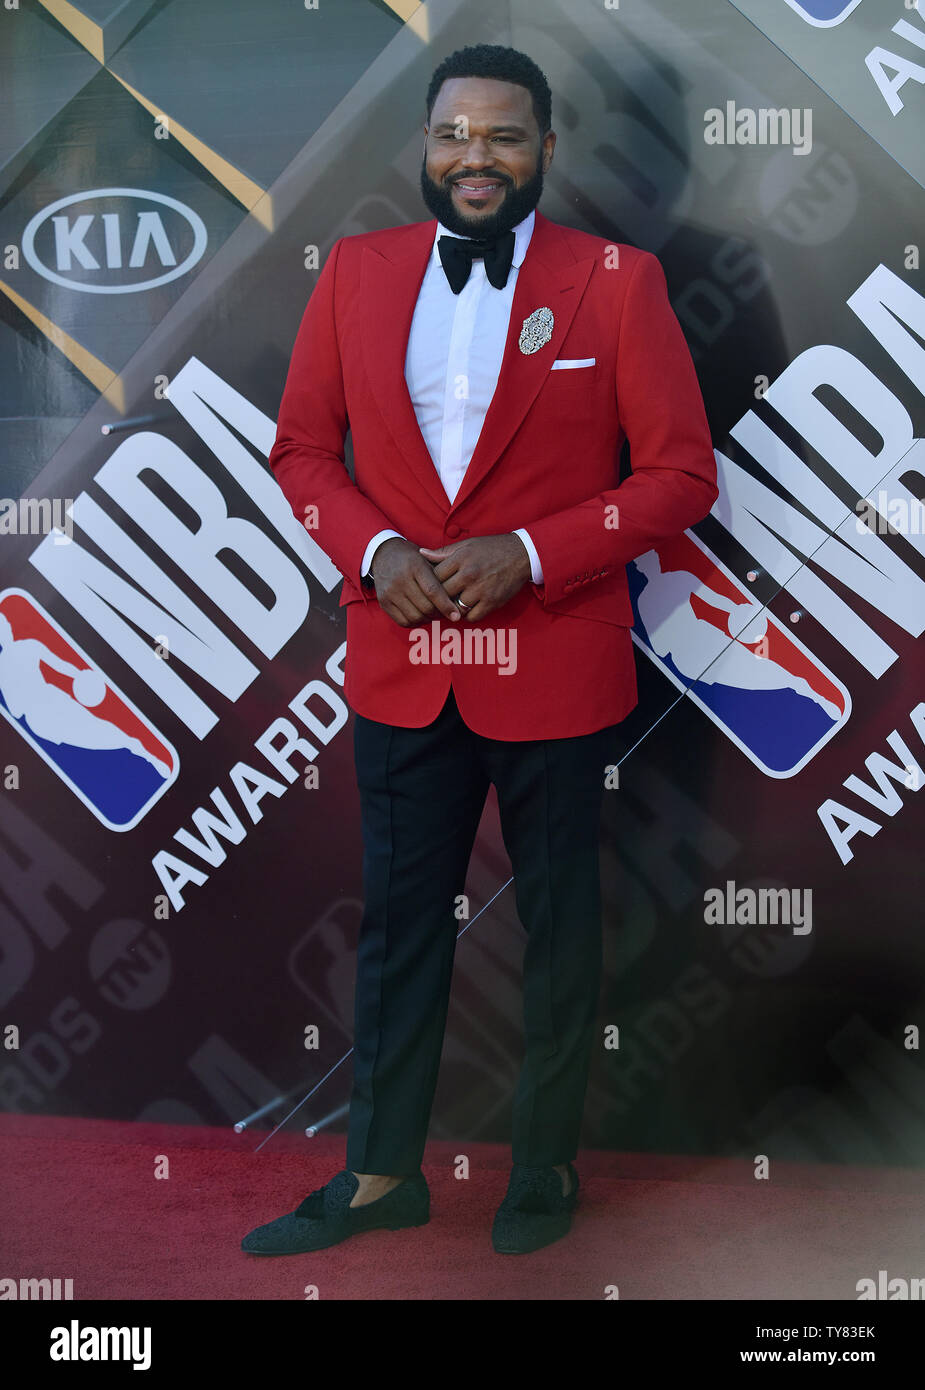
(483, 572)
(406, 586)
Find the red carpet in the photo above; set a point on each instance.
(81, 1201)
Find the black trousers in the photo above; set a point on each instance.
(422, 792)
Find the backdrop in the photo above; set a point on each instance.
(179, 904)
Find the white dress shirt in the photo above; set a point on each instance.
(452, 364)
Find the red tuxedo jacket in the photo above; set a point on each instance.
(547, 459)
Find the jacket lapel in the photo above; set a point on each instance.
(389, 288)
(550, 277)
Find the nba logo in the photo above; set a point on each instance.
(743, 668)
(76, 719)
(823, 13)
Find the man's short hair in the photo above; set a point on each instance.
(504, 64)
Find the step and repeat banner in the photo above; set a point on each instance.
(180, 858)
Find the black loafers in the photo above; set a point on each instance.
(534, 1212)
(326, 1216)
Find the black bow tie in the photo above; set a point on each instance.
(457, 255)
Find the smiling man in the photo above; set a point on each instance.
(489, 364)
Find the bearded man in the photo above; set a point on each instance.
(490, 365)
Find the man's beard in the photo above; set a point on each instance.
(517, 204)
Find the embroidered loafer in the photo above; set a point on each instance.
(534, 1212)
(326, 1216)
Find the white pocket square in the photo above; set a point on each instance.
(566, 363)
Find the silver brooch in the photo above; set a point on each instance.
(537, 330)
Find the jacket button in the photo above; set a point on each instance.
(452, 529)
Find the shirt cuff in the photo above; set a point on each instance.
(536, 569)
(373, 547)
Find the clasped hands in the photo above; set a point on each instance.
(480, 573)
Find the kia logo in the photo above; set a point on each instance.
(95, 248)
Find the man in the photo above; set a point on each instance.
(490, 364)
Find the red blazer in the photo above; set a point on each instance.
(547, 459)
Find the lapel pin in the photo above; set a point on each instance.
(537, 330)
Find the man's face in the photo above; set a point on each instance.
(484, 157)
